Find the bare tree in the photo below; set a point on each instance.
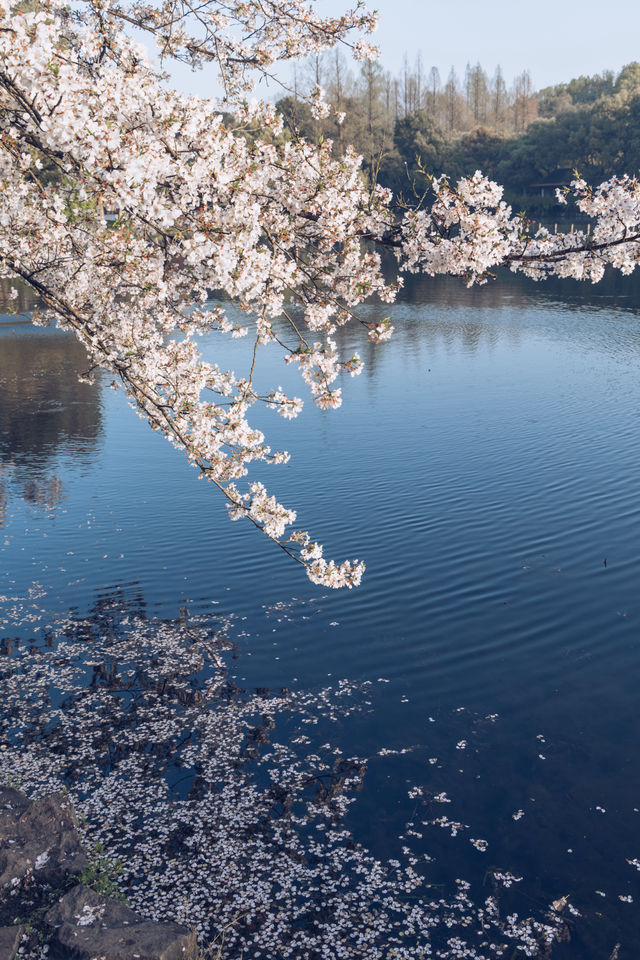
(432, 93)
(499, 99)
(418, 83)
(376, 120)
(477, 93)
(452, 103)
(338, 88)
(406, 86)
(525, 105)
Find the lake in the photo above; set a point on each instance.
(485, 466)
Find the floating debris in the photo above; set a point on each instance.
(220, 807)
(480, 845)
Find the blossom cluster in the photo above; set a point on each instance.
(86, 126)
(469, 231)
(124, 204)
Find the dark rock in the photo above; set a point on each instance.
(39, 843)
(11, 799)
(38, 837)
(9, 942)
(88, 925)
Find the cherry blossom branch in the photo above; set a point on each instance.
(278, 228)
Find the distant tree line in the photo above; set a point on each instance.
(413, 125)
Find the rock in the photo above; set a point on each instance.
(11, 799)
(39, 840)
(87, 925)
(9, 941)
(38, 837)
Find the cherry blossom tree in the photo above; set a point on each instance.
(213, 200)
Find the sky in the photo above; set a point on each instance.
(554, 39)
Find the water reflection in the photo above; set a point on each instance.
(511, 288)
(492, 462)
(441, 313)
(44, 409)
(44, 492)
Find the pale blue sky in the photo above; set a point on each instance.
(554, 39)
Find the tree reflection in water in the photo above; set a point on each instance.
(42, 492)
(228, 807)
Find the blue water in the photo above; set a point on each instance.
(485, 466)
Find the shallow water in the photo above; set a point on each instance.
(485, 467)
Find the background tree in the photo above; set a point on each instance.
(477, 94)
(375, 119)
(432, 96)
(525, 105)
(452, 104)
(521, 136)
(419, 149)
(498, 100)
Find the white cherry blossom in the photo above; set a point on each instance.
(210, 197)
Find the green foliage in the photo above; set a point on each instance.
(410, 128)
(419, 150)
(297, 117)
(479, 150)
(580, 90)
(13, 782)
(101, 874)
(420, 134)
(628, 79)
